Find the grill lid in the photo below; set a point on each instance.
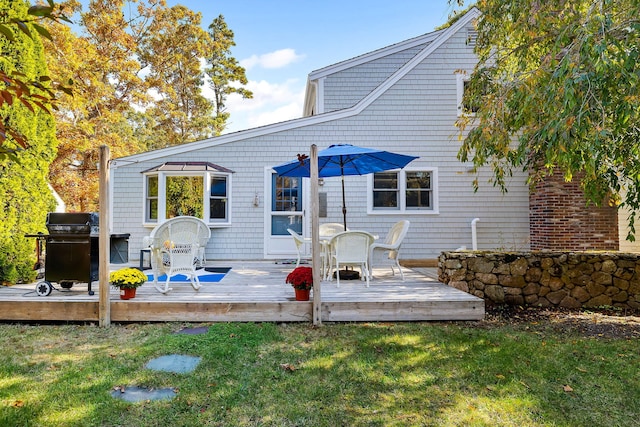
(73, 223)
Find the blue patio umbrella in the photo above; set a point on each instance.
(345, 159)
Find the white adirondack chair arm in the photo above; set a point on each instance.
(383, 246)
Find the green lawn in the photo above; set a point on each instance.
(373, 374)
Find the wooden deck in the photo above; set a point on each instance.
(254, 292)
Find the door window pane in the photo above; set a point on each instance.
(287, 194)
(280, 223)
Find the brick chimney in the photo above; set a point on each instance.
(559, 218)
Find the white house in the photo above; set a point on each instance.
(403, 98)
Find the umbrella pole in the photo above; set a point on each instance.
(346, 274)
(344, 206)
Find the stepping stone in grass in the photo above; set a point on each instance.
(176, 363)
(140, 394)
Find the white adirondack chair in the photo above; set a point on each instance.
(387, 252)
(177, 247)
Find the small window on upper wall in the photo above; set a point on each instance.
(199, 189)
(404, 191)
(462, 87)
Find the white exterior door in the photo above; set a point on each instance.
(285, 206)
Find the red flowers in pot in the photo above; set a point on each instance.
(301, 278)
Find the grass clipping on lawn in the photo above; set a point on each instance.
(494, 372)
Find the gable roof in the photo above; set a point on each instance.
(434, 40)
(311, 92)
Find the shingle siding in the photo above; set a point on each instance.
(346, 88)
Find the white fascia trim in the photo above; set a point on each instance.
(314, 98)
(310, 96)
(320, 96)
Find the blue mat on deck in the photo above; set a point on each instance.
(205, 275)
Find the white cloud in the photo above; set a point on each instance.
(271, 103)
(277, 59)
(280, 114)
(265, 93)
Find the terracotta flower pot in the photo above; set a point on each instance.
(127, 293)
(302, 294)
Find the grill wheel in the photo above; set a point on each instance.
(44, 288)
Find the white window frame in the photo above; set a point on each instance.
(206, 196)
(147, 198)
(402, 187)
(461, 78)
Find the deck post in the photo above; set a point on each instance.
(315, 236)
(104, 307)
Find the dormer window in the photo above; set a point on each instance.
(199, 189)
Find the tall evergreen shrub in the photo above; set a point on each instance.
(25, 197)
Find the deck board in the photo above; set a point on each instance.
(254, 291)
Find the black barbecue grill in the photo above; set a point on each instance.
(72, 250)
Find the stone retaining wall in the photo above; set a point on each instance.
(547, 279)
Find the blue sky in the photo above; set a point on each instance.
(280, 42)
